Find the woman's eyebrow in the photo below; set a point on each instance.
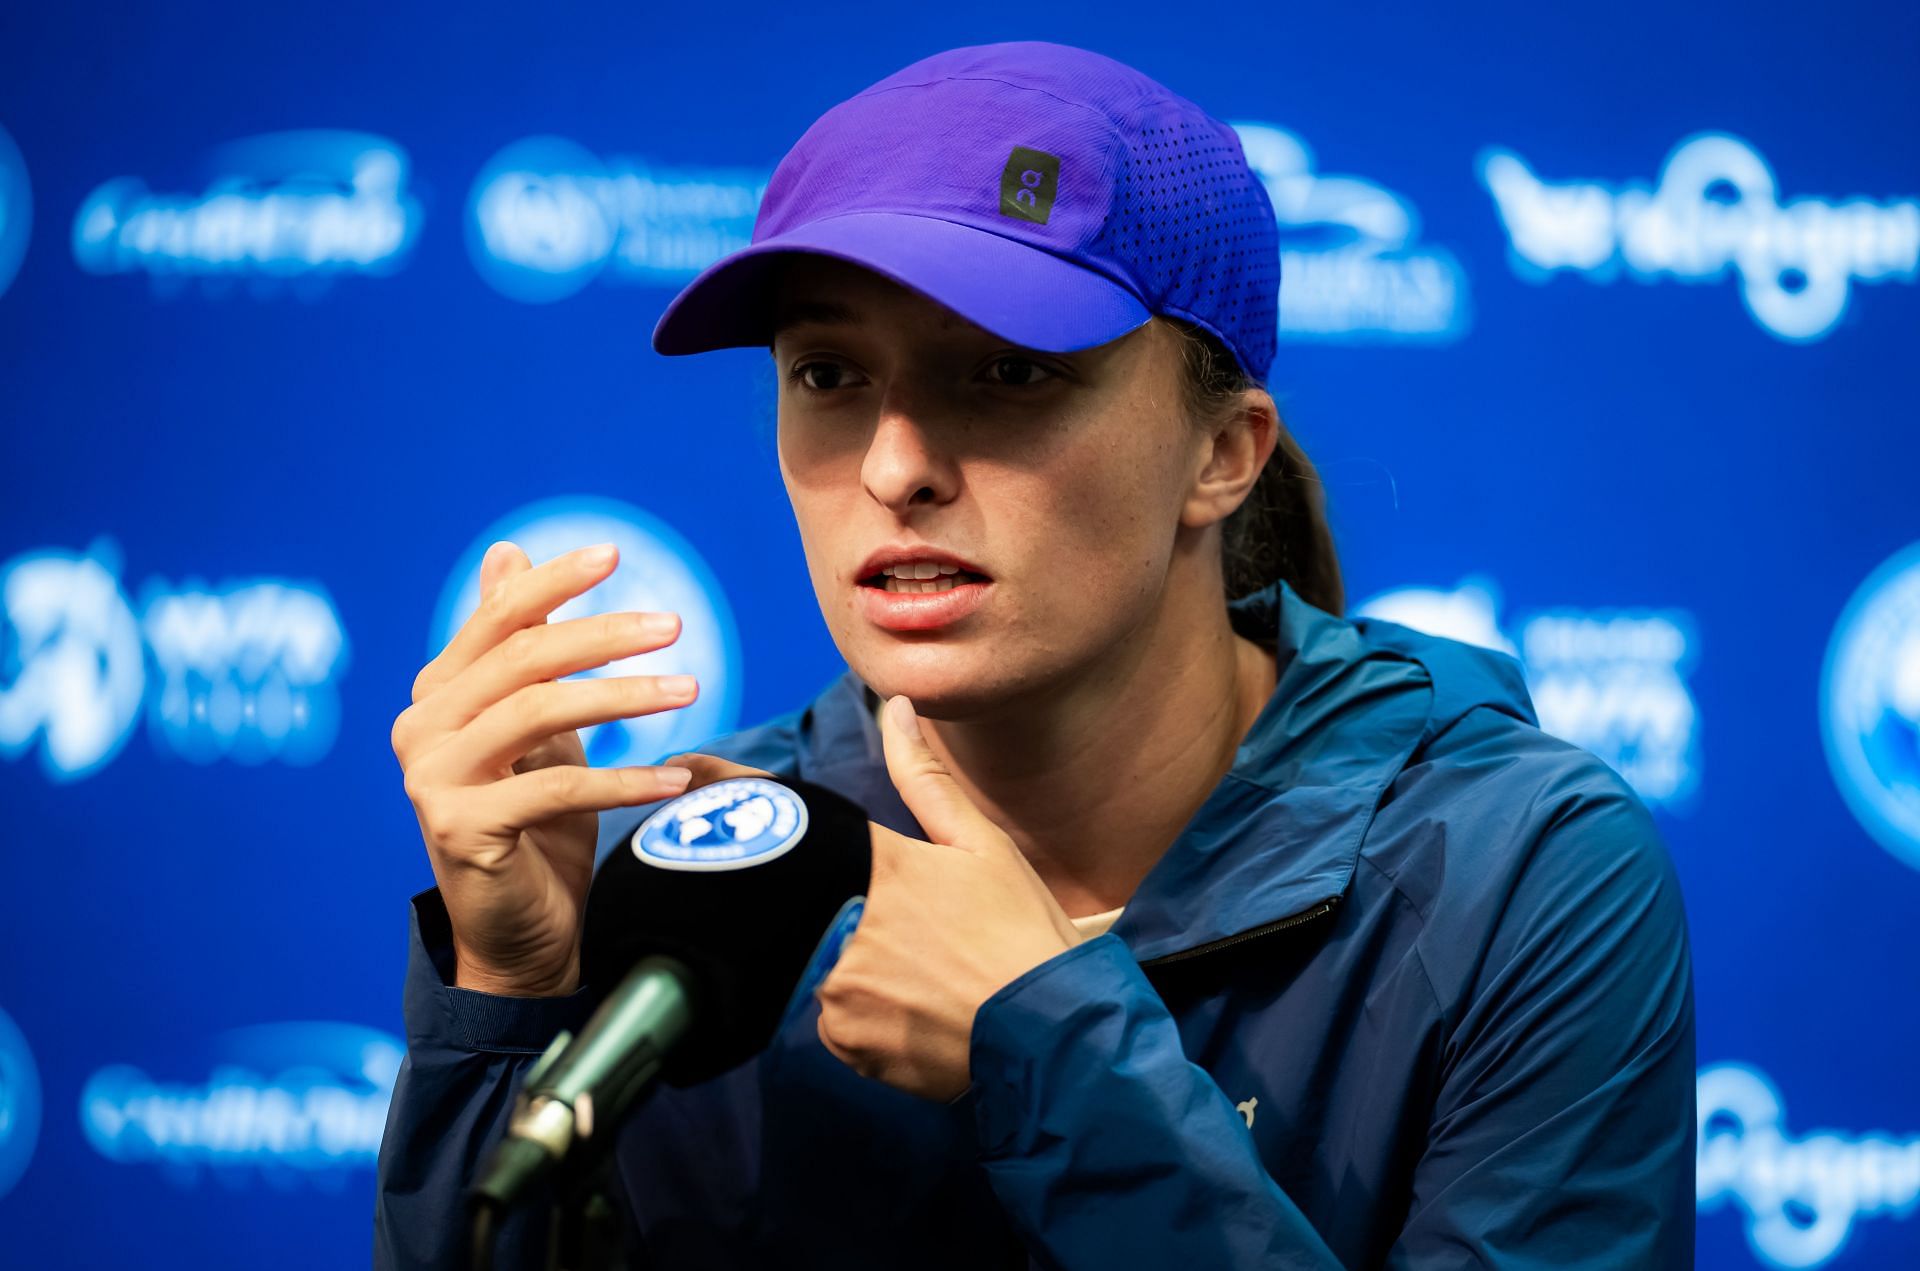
(820, 312)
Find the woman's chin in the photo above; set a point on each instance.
(942, 683)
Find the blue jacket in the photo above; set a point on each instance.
(1412, 989)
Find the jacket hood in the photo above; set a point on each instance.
(1355, 701)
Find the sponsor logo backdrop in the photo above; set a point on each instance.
(1600, 329)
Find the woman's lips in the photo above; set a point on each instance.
(922, 611)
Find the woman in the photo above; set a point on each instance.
(1206, 928)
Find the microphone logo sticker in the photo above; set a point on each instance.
(732, 824)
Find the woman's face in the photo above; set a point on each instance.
(1060, 478)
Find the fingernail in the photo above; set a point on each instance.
(599, 554)
(677, 685)
(676, 779)
(650, 626)
(904, 717)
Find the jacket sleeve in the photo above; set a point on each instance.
(467, 1053)
(1101, 1139)
(1563, 1127)
(1562, 1132)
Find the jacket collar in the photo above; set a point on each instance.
(1280, 835)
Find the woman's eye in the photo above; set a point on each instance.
(832, 373)
(1009, 371)
(1025, 371)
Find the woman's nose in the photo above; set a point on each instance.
(904, 464)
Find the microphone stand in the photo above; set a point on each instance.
(586, 1229)
(556, 1135)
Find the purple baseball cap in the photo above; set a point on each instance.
(1045, 193)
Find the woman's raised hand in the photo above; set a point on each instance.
(499, 781)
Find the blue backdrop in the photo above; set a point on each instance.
(1597, 322)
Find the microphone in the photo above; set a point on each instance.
(705, 920)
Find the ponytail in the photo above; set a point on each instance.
(1280, 531)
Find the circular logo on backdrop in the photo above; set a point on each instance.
(19, 1104)
(731, 824)
(537, 226)
(1870, 704)
(16, 209)
(72, 662)
(658, 572)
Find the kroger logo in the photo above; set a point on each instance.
(246, 671)
(286, 1100)
(1870, 704)
(1350, 256)
(728, 825)
(1611, 681)
(546, 217)
(658, 572)
(19, 1104)
(1715, 208)
(298, 206)
(1800, 1196)
(16, 209)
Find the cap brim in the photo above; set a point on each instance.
(1021, 293)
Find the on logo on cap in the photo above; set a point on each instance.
(1028, 183)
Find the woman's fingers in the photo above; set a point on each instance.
(545, 651)
(708, 769)
(493, 812)
(503, 732)
(516, 600)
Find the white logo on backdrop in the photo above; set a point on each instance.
(16, 209)
(288, 209)
(547, 216)
(75, 673)
(1612, 681)
(659, 571)
(1352, 267)
(246, 672)
(288, 1101)
(1715, 208)
(1870, 704)
(19, 1104)
(1802, 1196)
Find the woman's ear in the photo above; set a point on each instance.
(1237, 446)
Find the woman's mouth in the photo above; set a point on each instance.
(921, 596)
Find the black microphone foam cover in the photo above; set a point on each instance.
(739, 880)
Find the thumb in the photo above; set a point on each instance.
(926, 786)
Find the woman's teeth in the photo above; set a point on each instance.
(923, 576)
(916, 585)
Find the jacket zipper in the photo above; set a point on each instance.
(1292, 920)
